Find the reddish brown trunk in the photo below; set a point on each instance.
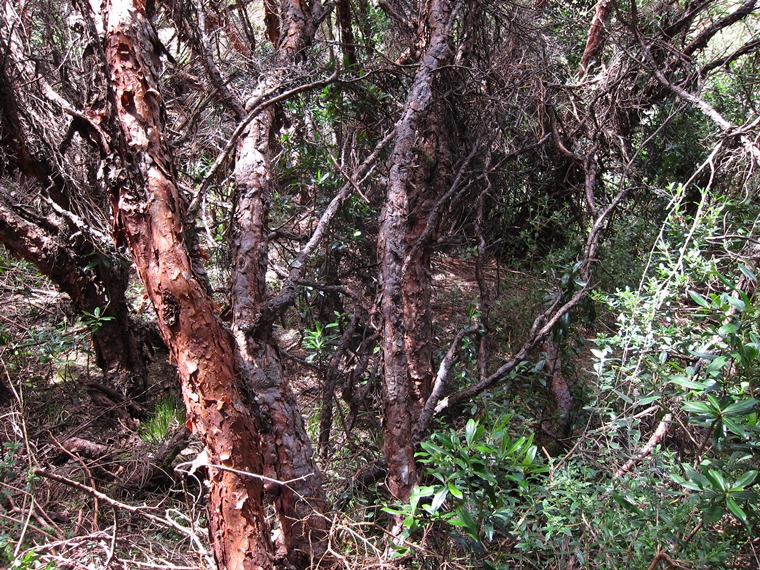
(272, 22)
(595, 41)
(150, 212)
(299, 20)
(38, 240)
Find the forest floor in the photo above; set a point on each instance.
(76, 462)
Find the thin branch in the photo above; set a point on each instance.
(703, 37)
(703, 106)
(656, 438)
(288, 290)
(211, 67)
(549, 317)
(435, 212)
(747, 48)
(138, 510)
(254, 107)
(439, 387)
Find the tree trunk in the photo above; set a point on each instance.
(392, 252)
(430, 180)
(347, 41)
(149, 208)
(99, 288)
(91, 274)
(288, 453)
(596, 35)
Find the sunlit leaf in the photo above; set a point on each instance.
(740, 408)
(699, 299)
(746, 479)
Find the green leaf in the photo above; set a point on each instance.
(684, 382)
(417, 494)
(392, 511)
(438, 500)
(684, 483)
(715, 366)
(734, 427)
(470, 430)
(698, 408)
(469, 524)
(515, 446)
(713, 402)
(717, 480)
(627, 504)
(740, 408)
(648, 399)
(737, 304)
(712, 513)
(728, 328)
(747, 273)
(746, 479)
(530, 455)
(455, 492)
(695, 476)
(699, 299)
(736, 510)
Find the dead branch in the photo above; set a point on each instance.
(656, 438)
(439, 387)
(728, 128)
(141, 510)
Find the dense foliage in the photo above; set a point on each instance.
(502, 259)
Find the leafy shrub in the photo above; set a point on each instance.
(480, 479)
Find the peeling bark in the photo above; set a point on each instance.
(288, 455)
(596, 34)
(430, 180)
(397, 390)
(150, 212)
(86, 266)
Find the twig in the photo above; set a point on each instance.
(656, 438)
(112, 546)
(138, 510)
(439, 386)
(288, 291)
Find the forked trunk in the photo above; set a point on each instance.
(288, 454)
(150, 212)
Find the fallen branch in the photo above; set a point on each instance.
(656, 438)
(138, 510)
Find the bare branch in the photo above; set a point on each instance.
(288, 290)
(254, 107)
(439, 387)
